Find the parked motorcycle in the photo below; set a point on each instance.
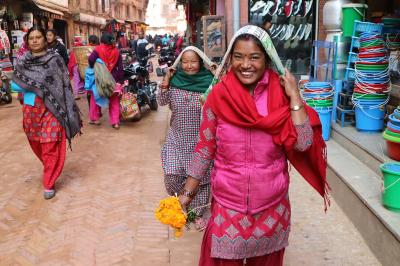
(127, 56)
(167, 56)
(138, 82)
(5, 92)
(165, 60)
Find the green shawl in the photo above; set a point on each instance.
(198, 82)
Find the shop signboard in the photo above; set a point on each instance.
(214, 36)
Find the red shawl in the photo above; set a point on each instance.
(109, 54)
(230, 101)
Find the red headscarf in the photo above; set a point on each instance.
(230, 101)
(109, 54)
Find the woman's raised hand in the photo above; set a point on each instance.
(288, 81)
(165, 84)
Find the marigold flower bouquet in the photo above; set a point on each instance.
(170, 212)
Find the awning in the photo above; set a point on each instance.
(89, 19)
(119, 20)
(140, 23)
(58, 7)
(50, 10)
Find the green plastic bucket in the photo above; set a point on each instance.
(351, 13)
(391, 189)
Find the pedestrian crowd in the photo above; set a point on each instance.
(234, 130)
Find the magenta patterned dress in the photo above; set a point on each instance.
(231, 234)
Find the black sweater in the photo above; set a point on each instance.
(61, 50)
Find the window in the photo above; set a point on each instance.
(103, 6)
(127, 12)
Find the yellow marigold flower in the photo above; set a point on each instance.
(170, 213)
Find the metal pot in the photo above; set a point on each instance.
(343, 45)
(332, 14)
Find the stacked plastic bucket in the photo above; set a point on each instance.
(372, 83)
(392, 135)
(319, 96)
(392, 32)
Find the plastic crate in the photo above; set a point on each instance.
(350, 73)
(353, 57)
(356, 42)
(368, 27)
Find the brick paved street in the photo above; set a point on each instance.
(103, 213)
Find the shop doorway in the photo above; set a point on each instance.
(61, 27)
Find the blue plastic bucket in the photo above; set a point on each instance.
(393, 126)
(317, 84)
(394, 120)
(325, 115)
(370, 118)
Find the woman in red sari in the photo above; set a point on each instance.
(253, 122)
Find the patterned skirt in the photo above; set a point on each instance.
(236, 235)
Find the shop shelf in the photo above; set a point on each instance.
(389, 29)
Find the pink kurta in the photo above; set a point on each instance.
(233, 234)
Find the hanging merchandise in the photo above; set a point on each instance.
(5, 48)
(291, 29)
(372, 82)
(319, 96)
(26, 21)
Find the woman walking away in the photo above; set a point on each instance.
(181, 90)
(112, 59)
(253, 122)
(93, 107)
(50, 114)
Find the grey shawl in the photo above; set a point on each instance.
(47, 77)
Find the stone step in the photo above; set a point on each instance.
(369, 148)
(356, 187)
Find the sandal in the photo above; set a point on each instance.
(49, 193)
(115, 126)
(97, 123)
